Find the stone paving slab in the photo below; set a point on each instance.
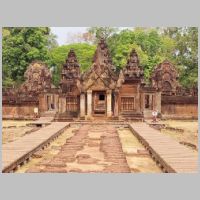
(92, 149)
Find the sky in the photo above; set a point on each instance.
(63, 33)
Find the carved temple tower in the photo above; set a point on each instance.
(131, 79)
(70, 76)
(98, 84)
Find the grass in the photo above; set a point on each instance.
(189, 130)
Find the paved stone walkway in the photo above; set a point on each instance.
(93, 148)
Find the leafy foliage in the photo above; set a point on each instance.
(84, 53)
(151, 47)
(186, 53)
(20, 47)
(104, 32)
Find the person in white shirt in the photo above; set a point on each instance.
(36, 112)
(154, 115)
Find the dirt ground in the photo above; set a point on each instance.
(137, 157)
(13, 129)
(182, 131)
(18, 123)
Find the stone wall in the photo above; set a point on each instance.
(179, 107)
(130, 90)
(18, 111)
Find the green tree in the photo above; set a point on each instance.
(151, 46)
(20, 47)
(185, 53)
(84, 53)
(104, 32)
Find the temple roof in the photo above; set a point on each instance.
(38, 78)
(71, 67)
(133, 69)
(165, 77)
(70, 74)
(102, 73)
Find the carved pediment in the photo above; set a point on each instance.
(102, 72)
(164, 77)
(38, 78)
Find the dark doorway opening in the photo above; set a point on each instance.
(101, 97)
(147, 105)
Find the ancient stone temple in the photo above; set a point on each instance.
(101, 91)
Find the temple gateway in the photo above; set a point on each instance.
(100, 92)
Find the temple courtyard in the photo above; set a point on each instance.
(97, 147)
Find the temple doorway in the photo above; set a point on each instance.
(50, 102)
(149, 99)
(99, 102)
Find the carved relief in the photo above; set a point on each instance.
(165, 78)
(102, 73)
(38, 78)
(70, 75)
(132, 72)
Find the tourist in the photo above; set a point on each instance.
(154, 115)
(36, 112)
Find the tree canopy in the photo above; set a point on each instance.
(21, 46)
(179, 45)
(150, 45)
(84, 53)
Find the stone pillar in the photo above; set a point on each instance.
(109, 103)
(59, 105)
(116, 109)
(56, 102)
(82, 105)
(150, 102)
(158, 101)
(42, 103)
(137, 99)
(143, 101)
(49, 101)
(89, 103)
(62, 104)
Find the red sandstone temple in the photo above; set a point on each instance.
(101, 92)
